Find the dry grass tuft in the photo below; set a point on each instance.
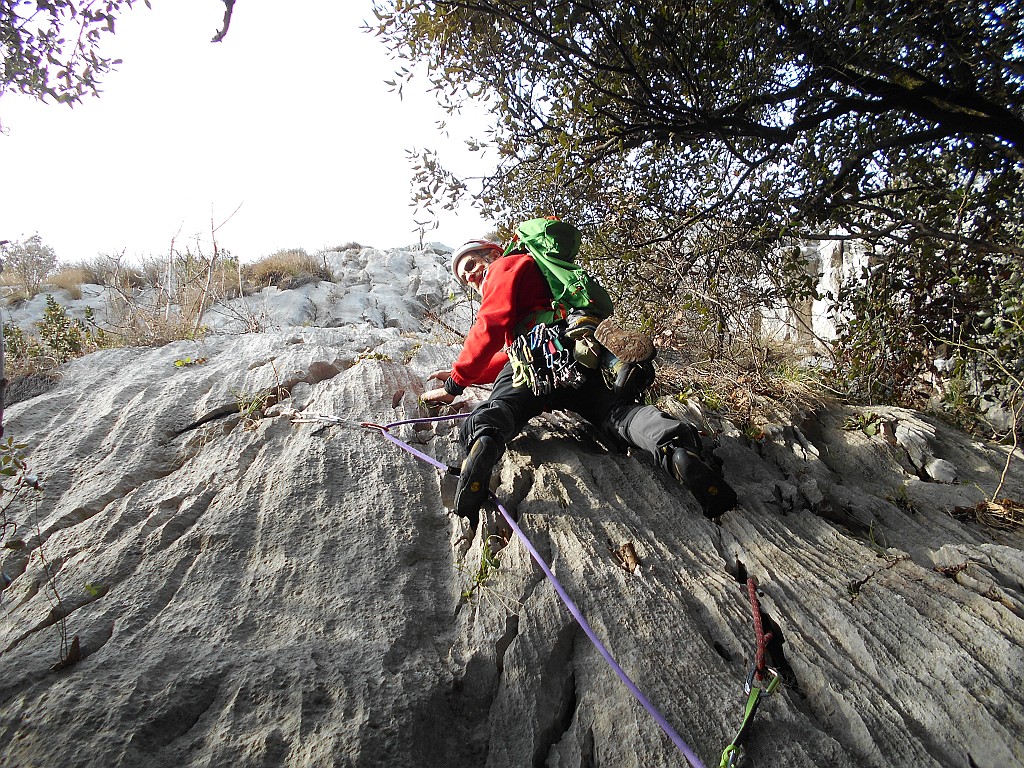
(69, 279)
(92, 272)
(14, 297)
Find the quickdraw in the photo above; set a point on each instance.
(542, 362)
(755, 685)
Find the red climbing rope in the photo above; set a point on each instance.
(755, 686)
(761, 637)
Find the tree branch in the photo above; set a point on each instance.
(229, 7)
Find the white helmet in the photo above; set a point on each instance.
(471, 247)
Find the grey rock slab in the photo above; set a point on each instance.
(254, 591)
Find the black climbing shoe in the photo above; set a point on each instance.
(715, 495)
(475, 478)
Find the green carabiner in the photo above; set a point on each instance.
(754, 691)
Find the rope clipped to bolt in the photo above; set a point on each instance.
(385, 430)
(755, 685)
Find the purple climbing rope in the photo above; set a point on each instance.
(683, 747)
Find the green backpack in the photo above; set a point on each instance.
(553, 245)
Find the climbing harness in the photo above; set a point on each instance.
(761, 681)
(385, 430)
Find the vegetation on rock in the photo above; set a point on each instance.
(696, 143)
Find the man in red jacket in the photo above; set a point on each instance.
(513, 290)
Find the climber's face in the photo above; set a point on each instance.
(472, 267)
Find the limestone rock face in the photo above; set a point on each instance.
(235, 588)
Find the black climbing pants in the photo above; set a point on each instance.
(505, 413)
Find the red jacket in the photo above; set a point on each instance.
(512, 289)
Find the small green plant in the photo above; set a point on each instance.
(96, 336)
(958, 394)
(686, 393)
(901, 499)
(57, 339)
(16, 343)
(713, 401)
(411, 352)
(12, 457)
(368, 355)
(752, 433)
(868, 423)
(878, 548)
(251, 406)
(15, 479)
(853, 589)
(184, 362)
(478, 578)
(96, 590)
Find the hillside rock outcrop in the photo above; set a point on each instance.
(247, 589)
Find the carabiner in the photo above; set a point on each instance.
(750, 683)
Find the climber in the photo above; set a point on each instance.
(513, 291)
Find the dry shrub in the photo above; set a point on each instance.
(141, 322)
(163, 299)
(14, 293)
(289, 268)
(191, 274)
(105, 269)
(114, 271)
(154, 269)
(1004, 514)
(151, 304)
(700, 302)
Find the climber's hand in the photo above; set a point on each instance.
(435, 397)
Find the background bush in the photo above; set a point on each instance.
(28, 264)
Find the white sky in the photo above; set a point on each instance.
(288, 118)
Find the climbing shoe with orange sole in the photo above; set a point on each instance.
(475, 477)
(716, 497)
